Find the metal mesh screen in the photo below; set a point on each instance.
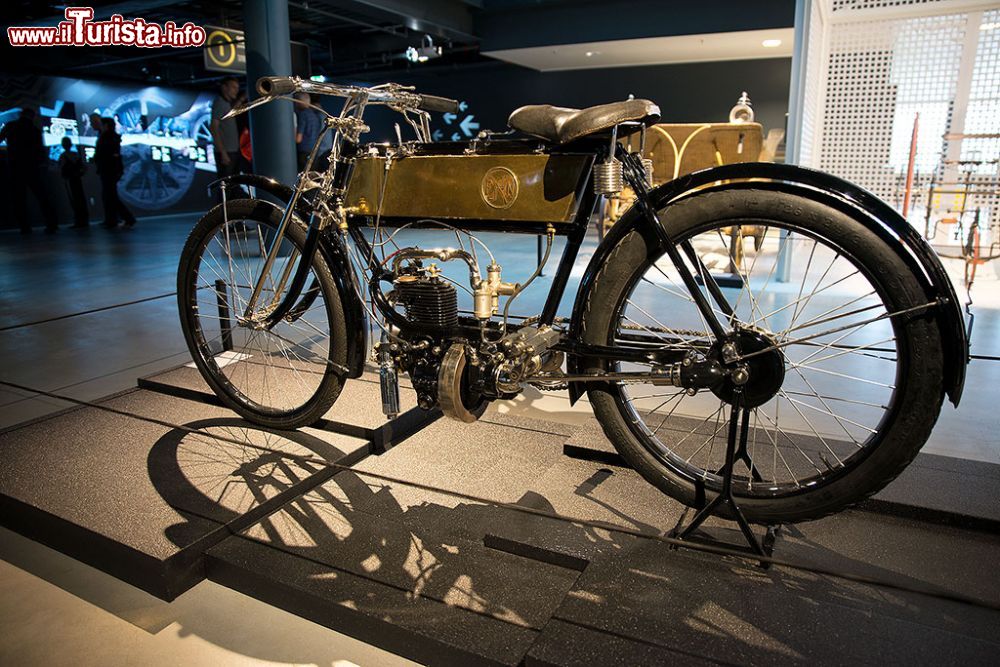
(856, 5)
(879, 75)
(871, 67)
(983, 115)
(981, 154)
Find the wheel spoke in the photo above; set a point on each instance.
(884, 316)
(279, 369)
(853, 350)
(812, 294)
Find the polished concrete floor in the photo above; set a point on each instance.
(46, 596)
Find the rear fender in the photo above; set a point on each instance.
(865, 207)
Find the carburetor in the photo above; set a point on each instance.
(486, 294)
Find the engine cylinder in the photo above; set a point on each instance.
(428, 300)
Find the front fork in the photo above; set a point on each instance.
(282, 302)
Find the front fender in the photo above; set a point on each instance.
(334, 251)
(273, 187)
(868, 210)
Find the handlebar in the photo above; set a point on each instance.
(276, 85)
(273, 86)
(439, 104)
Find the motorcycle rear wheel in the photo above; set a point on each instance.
(834, 417)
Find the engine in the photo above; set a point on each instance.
(427, 299)
(457, 364)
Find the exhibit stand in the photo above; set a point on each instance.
(564, 556)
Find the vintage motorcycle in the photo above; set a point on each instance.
(823, 376)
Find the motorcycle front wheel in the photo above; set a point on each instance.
(285, 376)
(844, 357)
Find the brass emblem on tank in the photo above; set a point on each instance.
(499, 187)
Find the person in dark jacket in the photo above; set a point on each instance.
(26, 158)
(72, 167)
(108, 158)
(308, 125)
(226, 134)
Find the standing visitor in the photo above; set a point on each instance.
(95, 125)
(26, 158)
(72, 168)
(108, 158)
(225, 134)
(308, 124)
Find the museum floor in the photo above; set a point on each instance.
(50, 604)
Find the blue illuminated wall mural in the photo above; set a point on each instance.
(166, 144)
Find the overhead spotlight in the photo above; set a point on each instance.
(424, 52)
(771, 43)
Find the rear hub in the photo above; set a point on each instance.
(764, 373)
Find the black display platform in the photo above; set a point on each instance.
(123, 495)
(443, 580)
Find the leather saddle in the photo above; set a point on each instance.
(561, 125)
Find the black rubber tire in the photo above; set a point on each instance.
(328, 389)
(919, 383)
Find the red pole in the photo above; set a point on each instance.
(909, 166)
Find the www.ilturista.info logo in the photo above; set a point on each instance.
(79, 29)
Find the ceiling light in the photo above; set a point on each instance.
(591, 54)
(424, 52)
(771, 43)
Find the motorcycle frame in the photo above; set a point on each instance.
(327, 239)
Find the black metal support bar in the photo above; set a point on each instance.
(402, 427)
(595, 455)
(382, 438)
(535, 552)
(708, 279)
(638, 184)
(636, 353)
(222, 298)
(566, 262)
(739, 427)
(711, 282)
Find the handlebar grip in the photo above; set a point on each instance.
(276, 85)
(440, 104)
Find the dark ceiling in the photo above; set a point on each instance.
(348, 37)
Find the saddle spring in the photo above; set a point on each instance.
(609, 177)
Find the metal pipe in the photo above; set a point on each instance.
(909, 166)
(440, 254)
(286, 218)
